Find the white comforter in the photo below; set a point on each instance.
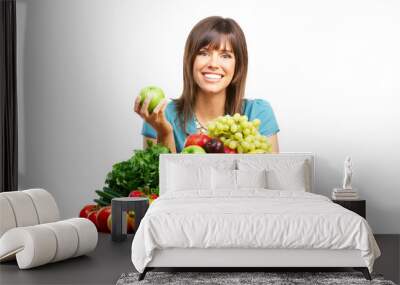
(251, 218)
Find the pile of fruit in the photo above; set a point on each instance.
(101, 216)
(135, 177)
(229, 134)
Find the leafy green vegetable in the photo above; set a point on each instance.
(139, 172)
(101, 202)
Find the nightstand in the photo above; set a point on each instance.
(357, 206)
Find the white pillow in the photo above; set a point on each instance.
(288, 178)
(181, 177)
(224, 179)
(285, 174)
(251, 178)
(228, 179)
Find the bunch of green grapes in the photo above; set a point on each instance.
(236, 132)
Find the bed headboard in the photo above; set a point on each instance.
(215, 159)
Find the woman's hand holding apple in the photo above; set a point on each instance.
(152, 111)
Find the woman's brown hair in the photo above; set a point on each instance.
(212, 32)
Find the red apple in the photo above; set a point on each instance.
(197, 139)
(102, 217)
(86, 210)
(93, 217)
(136, 193)
(152, 197)
(130, 220)
(229, 150)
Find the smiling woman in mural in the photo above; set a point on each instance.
(214, 77)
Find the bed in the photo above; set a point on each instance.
(245, 211)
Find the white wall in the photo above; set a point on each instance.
(331, 71)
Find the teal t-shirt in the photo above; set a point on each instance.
(253, 108)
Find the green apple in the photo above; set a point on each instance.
(154, 91)
(193, 149)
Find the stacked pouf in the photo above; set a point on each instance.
(31, 230)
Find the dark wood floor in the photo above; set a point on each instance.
(110, 260)
(102, 266)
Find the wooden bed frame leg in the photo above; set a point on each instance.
(364, 271)
(143, 274)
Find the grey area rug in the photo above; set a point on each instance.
(269, 278)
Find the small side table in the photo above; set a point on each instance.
(119, 207)
(357, 206)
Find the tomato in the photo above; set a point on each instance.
(102, 218)
(93, 217)
(136, 193)
(86, 210)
